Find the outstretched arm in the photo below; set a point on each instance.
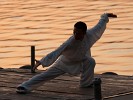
(49, 58)
(53, 56)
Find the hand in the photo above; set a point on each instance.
(111, 15)
(36, 65)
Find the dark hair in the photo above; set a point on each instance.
(81, 25)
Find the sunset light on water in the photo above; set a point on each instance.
(48, 23)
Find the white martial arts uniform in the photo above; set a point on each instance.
(73, 57)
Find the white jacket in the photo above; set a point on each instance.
(70, 55)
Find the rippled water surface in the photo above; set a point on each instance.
(48, 23)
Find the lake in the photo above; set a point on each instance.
(48, 23)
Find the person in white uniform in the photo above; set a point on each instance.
(73, 57)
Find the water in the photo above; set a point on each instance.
(48, 23)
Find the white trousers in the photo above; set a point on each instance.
(87, 76)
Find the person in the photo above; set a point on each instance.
(72, 57)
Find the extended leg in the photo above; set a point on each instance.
(39, 79)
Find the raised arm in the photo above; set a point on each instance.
(96, 32)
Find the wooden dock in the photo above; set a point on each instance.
(64, 87)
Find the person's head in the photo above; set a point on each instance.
(79, 31)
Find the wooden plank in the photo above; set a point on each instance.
(48, 95)
(63, 87)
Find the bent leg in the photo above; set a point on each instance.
(87, 74)
(39, 79)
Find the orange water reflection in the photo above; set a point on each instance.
(47, 23)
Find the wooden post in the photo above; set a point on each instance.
(97, 89)
(32, 58)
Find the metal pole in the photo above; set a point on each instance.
(97, 89)
(32, 58)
